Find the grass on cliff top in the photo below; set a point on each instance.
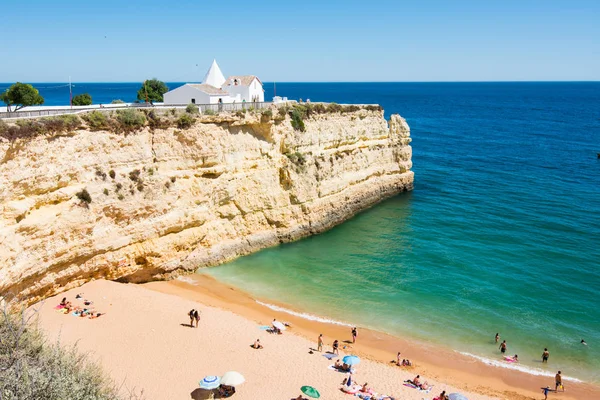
(33, 368)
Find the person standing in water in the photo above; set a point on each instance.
(503, 347)
(354, 334)
(497, 337)
(545, 356)
(320, 343)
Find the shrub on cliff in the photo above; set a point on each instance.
(185, 121)
(130, 119)
(96, 120)
(297, 121)
(208, 111)
(117, 101)
(373, 107)
(334, 108)
(192, 109)
(33, 368)
(84, 196)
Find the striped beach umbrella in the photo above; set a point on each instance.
(310, 391)
(210, 382)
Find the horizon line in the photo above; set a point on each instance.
(168, 81)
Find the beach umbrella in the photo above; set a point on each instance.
(210, 382)
(351, 360)
(232, 378)
(279, 325)
(310, 391)
(457, 396)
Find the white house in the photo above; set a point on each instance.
(216, 89)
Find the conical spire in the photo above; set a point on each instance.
(214, 76)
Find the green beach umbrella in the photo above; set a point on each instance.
(310, 391)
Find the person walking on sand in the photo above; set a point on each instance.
(545, 355)
(196, 317)
(191, 315)
(336, 346)
(320, 343)
(503, 347)
(497, 337)
(546, 390)
(558, 381)
(398, 363)
(354, 334)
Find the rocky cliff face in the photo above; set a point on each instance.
(171, 200)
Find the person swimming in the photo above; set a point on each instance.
(583, 342)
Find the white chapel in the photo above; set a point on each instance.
(216, 89)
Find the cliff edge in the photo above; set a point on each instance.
(163, 200)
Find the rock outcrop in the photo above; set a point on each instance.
(171, 200)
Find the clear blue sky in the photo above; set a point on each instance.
(176, 40)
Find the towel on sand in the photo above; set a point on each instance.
(410, 385)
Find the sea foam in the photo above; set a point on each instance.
(516, 366)
(310, 317)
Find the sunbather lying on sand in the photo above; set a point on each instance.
(257, 344)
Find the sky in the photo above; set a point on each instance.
(300, 41)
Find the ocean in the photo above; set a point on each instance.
(501, 233)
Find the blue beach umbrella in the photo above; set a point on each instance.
(351, 360)
(210, 382)
(457, 396)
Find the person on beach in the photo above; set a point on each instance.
(558, 381)
(338, 364)
(545, 355)
(398, 359)
(503, 347)
(497, 337)
(257, 344)
(336, 346)
(354, 334)
(365, 388)
(320, 343)
(191, 315)
(546, 390)
(443, 396)
(196, 317)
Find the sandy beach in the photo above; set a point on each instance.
(144, 342)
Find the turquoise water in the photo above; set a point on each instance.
(501, 234)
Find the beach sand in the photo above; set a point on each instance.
(144, 342)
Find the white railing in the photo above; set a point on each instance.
(224, 107)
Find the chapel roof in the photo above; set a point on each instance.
(243, 80)
(208, 89)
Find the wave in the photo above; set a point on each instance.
(518, 367)
(303, 315)
(187, 280)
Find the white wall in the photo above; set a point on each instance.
(184, 95)
(256, 89)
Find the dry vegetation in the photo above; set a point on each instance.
(33, 368)
(126, 121)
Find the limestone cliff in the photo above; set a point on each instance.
(165, 201)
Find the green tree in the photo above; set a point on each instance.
(154, 89)
(21, 95)
(82, 100)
